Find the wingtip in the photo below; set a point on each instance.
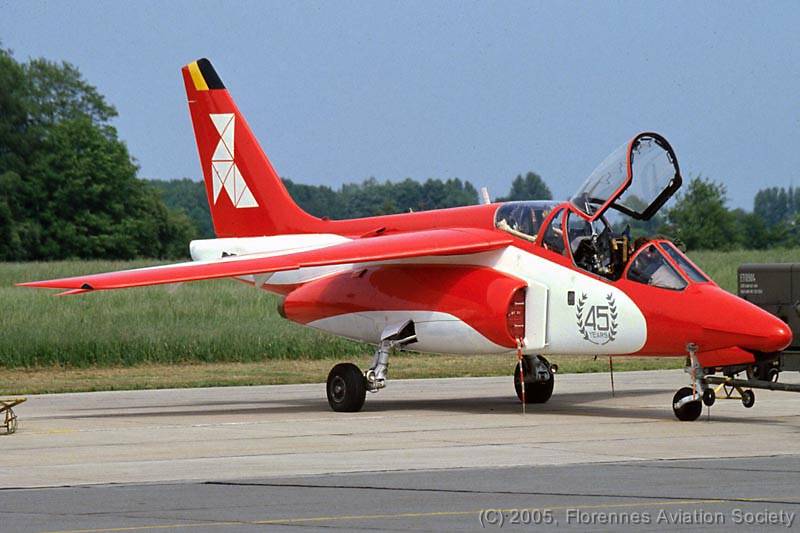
(55, 284)
(28, 284)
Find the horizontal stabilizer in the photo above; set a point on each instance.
(435, 242)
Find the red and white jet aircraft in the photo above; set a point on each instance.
(533, 278)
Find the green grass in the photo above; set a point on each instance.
(15, 381)
(722, 266)
(212, 321)
(219, 321)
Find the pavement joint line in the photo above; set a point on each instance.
(338, 518)
(715, 469)
(492, 492)
(631, 462)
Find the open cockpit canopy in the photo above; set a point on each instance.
(636, 179)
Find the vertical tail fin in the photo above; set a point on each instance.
(245, 194)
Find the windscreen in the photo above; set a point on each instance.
(523, 219)
(651, 268)
(688, 268)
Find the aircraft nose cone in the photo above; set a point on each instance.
(731, 321)
(769, 333)
(778, 338)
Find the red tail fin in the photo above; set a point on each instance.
(245, 194)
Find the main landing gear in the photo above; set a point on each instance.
(347, 386)
(539, 379)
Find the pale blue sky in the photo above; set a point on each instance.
(340, 91)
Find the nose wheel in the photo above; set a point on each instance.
(686, 405)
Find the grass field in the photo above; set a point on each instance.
(280, 371)
(221, 322)
(207, 321)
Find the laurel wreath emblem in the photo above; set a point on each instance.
(612, 313)
(579, 317)
(612, 310)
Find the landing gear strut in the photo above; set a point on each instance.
(539, 379)
(347, 386)
(687, 404)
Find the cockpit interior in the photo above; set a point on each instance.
(636, 180)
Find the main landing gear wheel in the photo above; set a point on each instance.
(347, 388)
(684, 407)
(539, 380)
(748, 398)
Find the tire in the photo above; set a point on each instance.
(773, 374)
(709, 397)
(346, 388)
(688, 411)
(535, 391)
(748, 398)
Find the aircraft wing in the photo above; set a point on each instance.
(436, 242)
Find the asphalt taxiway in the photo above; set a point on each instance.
(428, 454)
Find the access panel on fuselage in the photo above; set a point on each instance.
(536, 304)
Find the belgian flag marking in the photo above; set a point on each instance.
(204, 76)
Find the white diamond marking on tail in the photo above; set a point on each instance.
(224, 172)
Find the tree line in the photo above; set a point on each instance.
(700, 218)
(353, 200)
(69, 186)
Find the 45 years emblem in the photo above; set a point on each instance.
(597, 323)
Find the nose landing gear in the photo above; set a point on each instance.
(687, 404)
(706, 387)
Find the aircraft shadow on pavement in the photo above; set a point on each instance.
(564, 404)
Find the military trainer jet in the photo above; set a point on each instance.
(530, 279)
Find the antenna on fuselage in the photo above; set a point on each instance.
(485, 199)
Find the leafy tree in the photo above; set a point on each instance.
(531, 187)
(57, 92)
(93, 204)
(68, 185)
(372, 197)
(776, 205)
(700, 219)
(751, 231)
(14, 114)
(319, 200)
(188, 197)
